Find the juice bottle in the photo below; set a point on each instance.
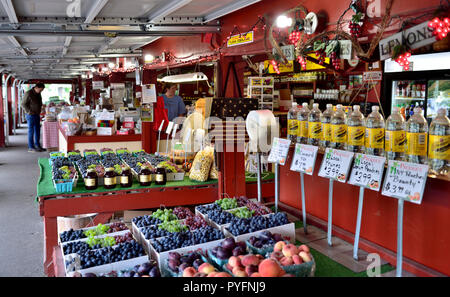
(355, 131)
(110, 178)
(315, 125)
(416, 138)
(91, 179)
(374, 142)
(439, 143)
(145, 176)
(395, 136)
(338, 129)
(126, 178)
(292, 130)
(302, 117)
(326, 126)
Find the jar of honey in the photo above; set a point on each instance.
(160, 177)
(91, 179)
(110, 178)
(145, 176)
(126, 178)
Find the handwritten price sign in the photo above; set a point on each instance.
(279, 151)
(304, 158)
(367, 171)
(405, 180)
(336, 164)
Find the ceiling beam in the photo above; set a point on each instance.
(166, 9)
(236, 5)
(95, 10)
(108, 43)
(11, 12)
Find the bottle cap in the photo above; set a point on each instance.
(356, 107)
(375, 108)
(305, 104)
(294, 104)
(109, 169)
(329, 105)
(339, 106)
(316, 105)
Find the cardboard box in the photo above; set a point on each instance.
(106, 131)
(128, 215)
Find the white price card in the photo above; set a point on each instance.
(174, 132)
(169, 127)
(187, 135)
(279, 151)
(148, 94)
(161, 126)
(336, 164)
(405, 180)
(304, 158)
(367, 171)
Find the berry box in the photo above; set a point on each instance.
(60, 242)
(65, 185)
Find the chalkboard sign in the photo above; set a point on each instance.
(367, 171)
(336, 164)
(279, 151)
(304, 158)
(405, 180)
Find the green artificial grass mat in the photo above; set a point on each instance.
(266, 175)
(45, 185)
(326, 267)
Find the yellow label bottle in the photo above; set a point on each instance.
(303, 129)
(292, 127)
(355, 135)
(416, 144)
(315, 130)
(326, 131)
(439, 147)
(339, 133)
(395, 141)
(374, 138)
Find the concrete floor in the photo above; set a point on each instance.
(22, 244)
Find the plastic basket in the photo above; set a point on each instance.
(67, 185)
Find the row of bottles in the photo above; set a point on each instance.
(394, 138)
(125, 178)
(407, 110)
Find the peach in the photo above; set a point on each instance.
(261, 257)
(278, 247)
(206, 268)
(289, 250)
(269, 268)
(234, 261)
(276, 255)
(251, 269)
(250, 260)
(241, 256)
(212, 274)
(304, 248)
(239, 272)
(286, 261)
(297, 259)
(305, 256)
(189, 272)
(222, 274)
(256, 274)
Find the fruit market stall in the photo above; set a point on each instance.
(176, 242)
(64, 187)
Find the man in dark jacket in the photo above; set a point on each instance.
(32, 105)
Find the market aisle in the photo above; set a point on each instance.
(21, 249)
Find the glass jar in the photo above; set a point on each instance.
(110, 178)
(126, 178)
(145, 176)
(160, 177)
(91, 179)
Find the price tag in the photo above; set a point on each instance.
(161, 126)
(367, 171)
(187, 134)
(279, 151)
(336, 164)
(304, 158)
(169, 128)
(174, 132)
(405, 180)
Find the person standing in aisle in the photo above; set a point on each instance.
(32, 105)
(172, 102)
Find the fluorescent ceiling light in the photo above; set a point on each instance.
(148, 58)
(188, 77)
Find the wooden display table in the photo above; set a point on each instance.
(106, 202)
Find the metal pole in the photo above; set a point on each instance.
(302, 183)
(330, 212)
(258, 165)
(399, 238)
(358, 223)
(167, 146)
(277, 186)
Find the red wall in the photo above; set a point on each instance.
(2, 125)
